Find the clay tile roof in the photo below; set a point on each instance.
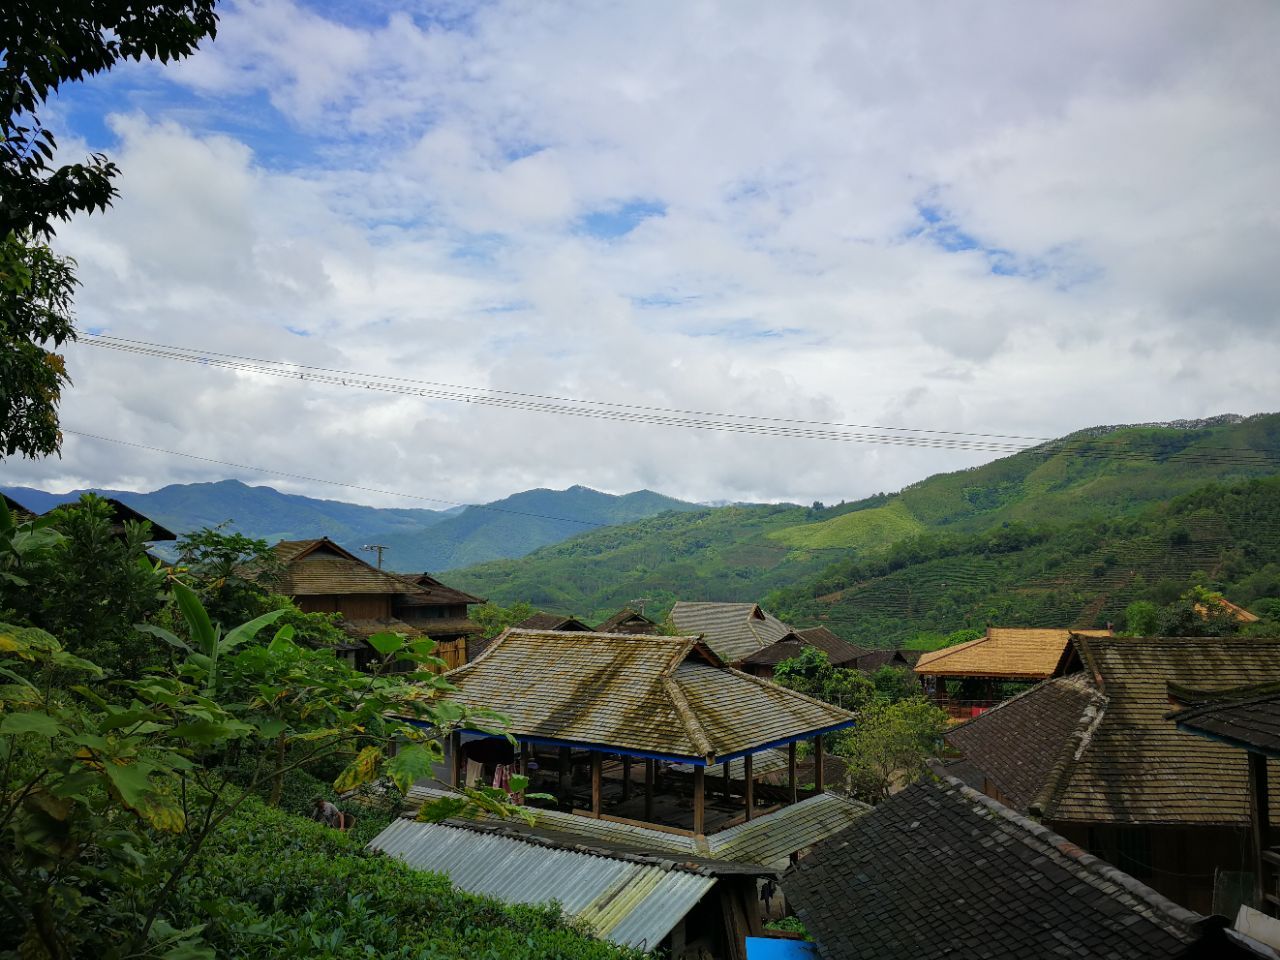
(1123, 761)
(322, 568)
(839, 652)
(1244, 717)
(1008, 653)
(552, 621)
(733, 630)
(1016, 743)
(627, 620)
(940, 871)
(647, 694)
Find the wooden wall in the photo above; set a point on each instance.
(353, 606)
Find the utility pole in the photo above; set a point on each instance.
(638, 604)
(375, 548)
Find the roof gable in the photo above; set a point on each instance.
(644, 694)
(734, 630)
(323, 568)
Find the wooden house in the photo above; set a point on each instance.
(971, 677)
(940, 871)
(627, 620)
(552, 621)
(323, 577)
(1094, 757)
(840, 653)
(733, 631)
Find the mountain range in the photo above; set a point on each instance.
(416, 539)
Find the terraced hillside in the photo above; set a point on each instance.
(744, 553)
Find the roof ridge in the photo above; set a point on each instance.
(1055, 784)
(688, 718)
(1167, 913)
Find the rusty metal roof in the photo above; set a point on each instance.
(645, 695)
(620, 899)
(732, 630)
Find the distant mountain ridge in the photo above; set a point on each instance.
(417, 539)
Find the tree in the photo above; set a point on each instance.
(811, 673)
(493, 619)
(889, 746)
(232, 573)
(1141, 618)
(46, 45)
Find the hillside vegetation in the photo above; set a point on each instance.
(748, 552)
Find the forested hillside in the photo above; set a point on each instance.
(749, 552)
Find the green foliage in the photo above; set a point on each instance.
(109, 800)
(231, 573)
(90, 586)
(1141, 619)
(812, 674)
(889, 746)
(895, 683)
(493, 619)
(927, 640)
(789, 925)
(274, 887)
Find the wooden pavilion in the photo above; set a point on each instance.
(654, 731)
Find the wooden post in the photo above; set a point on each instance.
(699, 799)
(596, 772)
(564, 779)
(819, 781)
(748, 784)
(626, 777)
(456, 761)
(791, 770)
(1259, 820)
(650, 774)
(525, 751)
(728, 783)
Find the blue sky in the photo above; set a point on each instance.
(1000, 219)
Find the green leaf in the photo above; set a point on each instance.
(247, 631)
(210, 732)
(271, 727)
(386, 643)
(193, 611)
(130, 782)
(60, 658)
(409, 765)
(163, 634)
(363, 769)
(283, 640)
(441, 809)
(519, 783)
(38, 723)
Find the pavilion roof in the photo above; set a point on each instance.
(1004, 653)
(641, 694)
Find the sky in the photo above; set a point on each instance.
(1004, 218)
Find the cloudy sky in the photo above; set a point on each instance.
(1008, 218)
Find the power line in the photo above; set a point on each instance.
(335, 483)
(662, 416)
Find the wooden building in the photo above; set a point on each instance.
(972, 677)
(1094, 757)
(734, 631)
(19, 513)
(323, 577)
(601, 719)
(552, 621)
(627, 620)
(839, 652)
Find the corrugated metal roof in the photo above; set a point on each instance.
(643, 694)
(627, 902)
(768, 840)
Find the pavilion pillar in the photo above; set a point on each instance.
(791, 770)
(748, 784)
(564, 774)
(699, 799)
(728, 782)
(456, 762)
(626, 777)
(597, 767)
(525, 752)
(650, 774)
(1259, 820)
(819, 781)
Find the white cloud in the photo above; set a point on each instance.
(416, 196)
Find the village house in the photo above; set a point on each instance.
(627, 620)
(650, 746)
(734, 631)
(1093, 756)
(551, 621)
(940, 871)
(840, 653)
(19, 513)
(323, 577)
(972, 677)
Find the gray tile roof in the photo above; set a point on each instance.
(733, 630)
(1246, 717)
(940, 871)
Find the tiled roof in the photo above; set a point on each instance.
(1016, 744)
(433, 592)
(551, 621)
(939, 870)
(367, 628)
(1246, 717)
(733, 630)
(1011, 653)
(645, 694)
(839, 652)
(873, 660)
(765, 841)
(322, 568)
(437, 627)
(1122, 761)
(627, 620)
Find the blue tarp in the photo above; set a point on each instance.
(768, 948)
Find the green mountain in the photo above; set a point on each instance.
(749, 552)
(519, 524)
(416, 539)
